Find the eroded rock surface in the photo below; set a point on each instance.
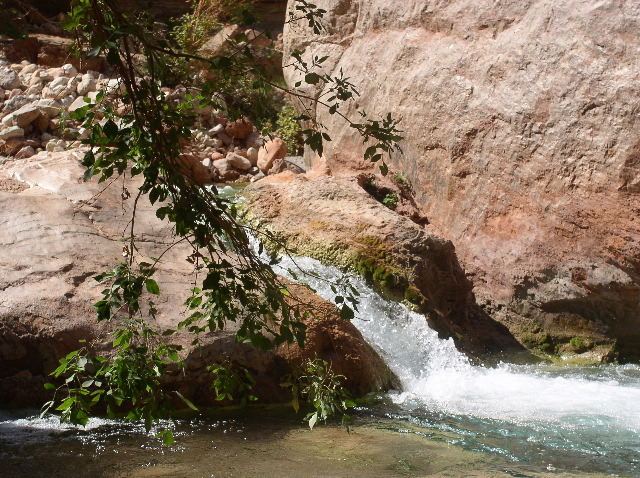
(338, 222)
(59, 232)
(522, 143)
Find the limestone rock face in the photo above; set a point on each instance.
(521, 139)
(58, 232)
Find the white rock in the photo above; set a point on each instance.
(69, 70)
(212, 142)
(25, 115)
(83, 133)
(11, 132)
(252, 155)
(35, 90)
(60, 81)
(78, 103)
(16, 103)
(9, 79)
(36, 81)
(66, 101)
(87, 85)
(206, 162)
(219, 105)
(8, 120)
(114, 87)
(49, 107)
(55, 145)
(28, 69)
(216, 129)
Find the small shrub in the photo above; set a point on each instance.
(402, 180)
(390, 200)
(289, 129)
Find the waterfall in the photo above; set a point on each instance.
(437, 378)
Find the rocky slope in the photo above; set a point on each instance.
(522, 143)
(58, 232)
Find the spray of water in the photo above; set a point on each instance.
(437, 377)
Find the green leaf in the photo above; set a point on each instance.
(189, 404)
(152, 287)
(312, 78)
(49, 386)
(346, 312)
(167, 437)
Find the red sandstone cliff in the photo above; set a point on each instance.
(521, 140)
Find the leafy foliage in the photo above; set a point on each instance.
(289, 129)
(321, 386)
(145, 139)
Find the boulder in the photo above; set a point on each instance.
(252, 155)
(47, 265)
(225, 170)
(527, 155)
(11, 132)
(272, 150)
(238, 161)
(239, 129)
(193, 169)
(9, 79)
(280, 165)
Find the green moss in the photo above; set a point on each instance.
(580, 345)
(541, 341)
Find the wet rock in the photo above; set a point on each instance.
(337, 222)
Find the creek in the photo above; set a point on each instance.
(451, 418)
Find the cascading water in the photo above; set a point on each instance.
(552, 414)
